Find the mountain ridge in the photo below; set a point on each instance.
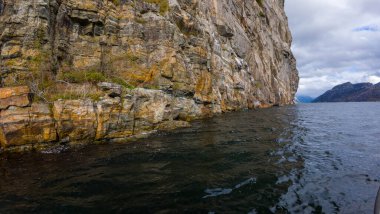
(348, 92)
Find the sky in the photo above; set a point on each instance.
(335, 41)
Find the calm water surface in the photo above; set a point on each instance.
(311, 158)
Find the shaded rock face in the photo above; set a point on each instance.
(348, 92)
(200, 57)
(1, 6)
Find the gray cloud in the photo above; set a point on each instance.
(372, 28)
(335, 42)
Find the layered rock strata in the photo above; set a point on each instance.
(159, 63)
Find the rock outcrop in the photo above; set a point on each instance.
(104, 69)
(348, 92)
(14, 96)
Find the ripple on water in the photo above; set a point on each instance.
(225, 191)
(298, 159)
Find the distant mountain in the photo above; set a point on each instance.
(348, 92)
(304, 99)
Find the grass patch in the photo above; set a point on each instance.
(75, 95)
(83, 77)
(140, 20)
(121, 82)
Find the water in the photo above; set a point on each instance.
(312, 158)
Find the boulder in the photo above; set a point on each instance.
(225, 31)
(115, 118)
(27, 126)
(112, 89)
(14, 96)
(76, 120)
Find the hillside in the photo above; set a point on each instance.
(348, 92)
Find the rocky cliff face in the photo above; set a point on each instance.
(348, 92)
(131, 66)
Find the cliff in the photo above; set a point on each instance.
(74, 71)
(348, 92)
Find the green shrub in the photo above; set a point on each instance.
(84, 77)
(74, 95)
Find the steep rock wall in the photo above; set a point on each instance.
(215, 56)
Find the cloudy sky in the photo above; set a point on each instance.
(335, 41)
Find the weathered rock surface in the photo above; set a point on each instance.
(185, 59)
(140, 111)
(348, 92)
(15, 96)
(30, 125)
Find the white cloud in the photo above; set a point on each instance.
(374, 79)
(335, 42)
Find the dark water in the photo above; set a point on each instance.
(314, 158)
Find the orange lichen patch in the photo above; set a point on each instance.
(141, 76)
(14, 96)
(13, 91)
(13, 63)
(126, 12)
(136, 77)
(21, 77)
(30, 52)
(223, 105)
(130, 66)
(132, 41)
(80, 62)
(202, 52)
(11, 50)
(203, 88)
(86, 5)
(21, 126)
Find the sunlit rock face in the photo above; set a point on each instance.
(194, 58)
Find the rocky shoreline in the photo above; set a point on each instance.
(26, 125)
